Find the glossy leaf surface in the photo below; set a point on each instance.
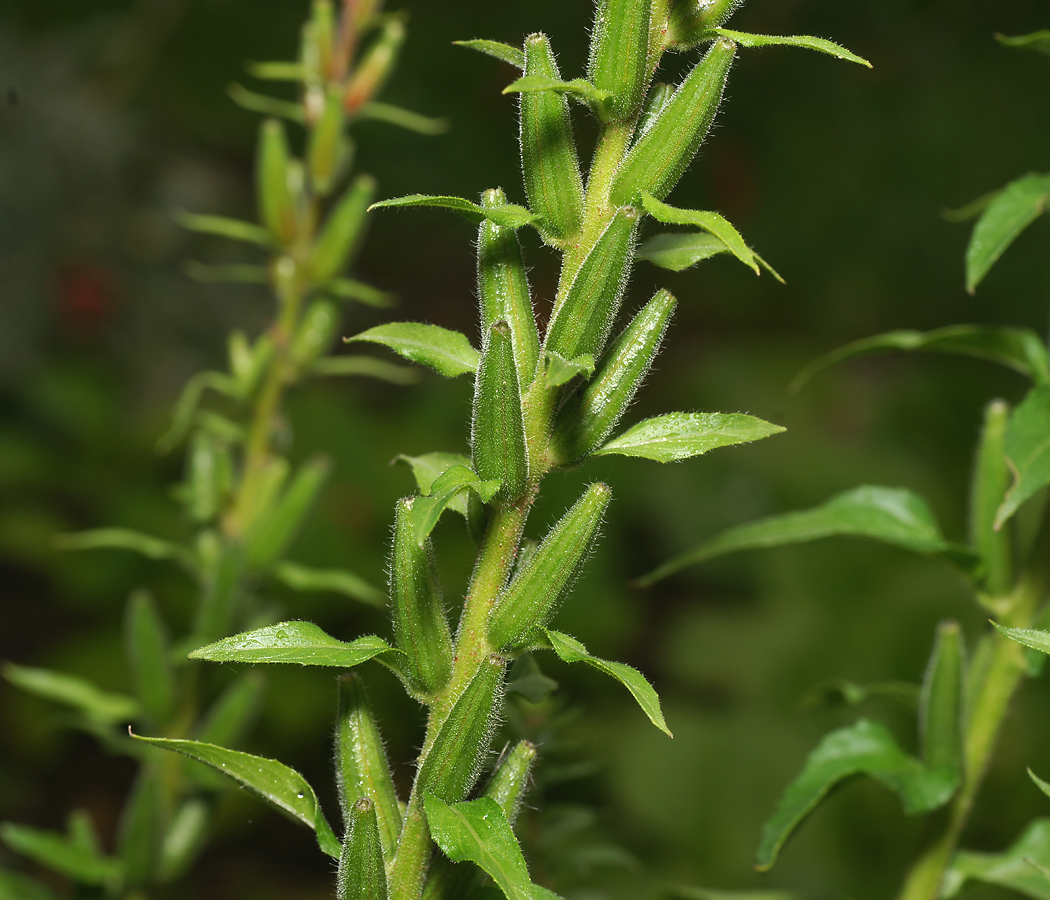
(448, 353)
(1034, 638)
(1019, 204)
(508, 215)
(677, 436)
(1017, 868)
(1027, 449)
(294, 642)
(70, 690)
(501, 51)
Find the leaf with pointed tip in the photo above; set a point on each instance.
(805, 41)
(509, 215)
(61, 853)
(561, 370)
(1020, 349)
(451, 484)
(338, 581)
(1019, 204)
(1021, 868)
(709, 221)
(268, 106)
(571, 650)
(403, 118)
(1027, 448)
(234, 229)
(69, 690)
(892, 515)
(513, 55)
(1037, 40)
(272, 780)
(579, 88)
(677, 436)
(126, 539)
(862, 748)
(448, 353)
(1035, 638)
(367, 366)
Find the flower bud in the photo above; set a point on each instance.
(342, 231)
(277, 206)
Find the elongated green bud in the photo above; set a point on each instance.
(323, 20)
(420, 623)
(317, 331)
(619, 55)
(585, 423)
(991, 478)
(582, 319)
(361, 768)
(328, 147)
(375, 67)
(497, 431)
(276, 202)
(209, 478)
(342, 231)
(503, 290)
(941, 716)
(454, 761)
(362, 873)
(548, 152)
(270, 536)
(661, 154)
(531, 599)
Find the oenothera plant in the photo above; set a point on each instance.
(964, 696)
(242, 500)
(540, 404)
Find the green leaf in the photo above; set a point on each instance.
(708, 221)
(1018, 205)
(677, 436)
(267, 106)
(338, 581)
(190, 398)
(505, 52)
(509, 215)
(98, 705)
(1020, 868)
(139, 831)
(234, 229)
(1020, 349)
(187, 831)
(1039, 783)
(1035, 638)
(349, 289)
(892, 515)
(232, 714)
(478, 832)
(1027, 448)
(428, 467)
(16, 886)
(561, 370)
(448, 353)
(126, 539)
(294, 642)
(367, 366)
(276, 71)
(683, 892)
(61, 853)
(862, 748)
(146, 646)
(802, 40)
(970, 210)
(571, 650)
(448, 490)
(579, 88)
(1037, 40)
(275, 526)
(676, 251)
(273, 781)
(527, 679)
(403, 118)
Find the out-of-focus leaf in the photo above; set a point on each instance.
(190, 399)
(268, 106)
(276, 71)
(1027, 449)
(1018, 348)
(16, 886)
(98, 705)
(508, 215)
(231, 715)
(1039, 783)
(561, 370)
(677, 251)
(275, 526)
(862, 748)
(708, 221)
(364, 365)
(682, 892)
(1020, 868)
(892, 515)
(677, 436)
(525, 678)
(273, 781)
(349, 289)
(403, 118)
(839, 690)
(1019, 204)
(453, 482)
(234, 229)
(1037, 40)
(147, 649)
(513, 55)
(339, 581)
(800, 40)
(126, 539)
(571, 650)
(579, 88)
(184, 837)
(448, 353)
(138, 842)
(970, 210)
(58, 852)
(238, 274)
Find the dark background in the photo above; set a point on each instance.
(115, 116)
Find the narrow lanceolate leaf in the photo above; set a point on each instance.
(1035, 638)
(1019, 204)
(619, 54)
(892, 515)
(559, 371)
(273, 781)
(579, 88)
(1027, 448)
(799, 40)
(453, 763)
(505, 52)
(509, 215)
(361, 767)
(185, 835)
(349, 289)
(448, 353)
(362, 872)
(147, 648)
(402, 118)
(991, 478)
(420, 619)
(942, 703)
(268, 106)
(138, 836)
(338, 581)
(571, 650)
(125, 539)
(1021, 868)
(342, 231)
(583, 317)
(677, 251)
(234, 229)
(503, 289)
(709, 221)
(532, 597)
(678, 436)
(270, 535)
(549, 160)
(1020, 349)
(295, 642)
(497, 430)
(1037, 40)
(478, 832)
(449, 490)
(660, 156)
(862, 748)
(60, 853)
(69, 690)
(367, 366)
(276, 204)
(587, 421)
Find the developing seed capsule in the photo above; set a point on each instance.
(548, 152)
(269, 537)
(583, 425)
(375, 67)
(531, 599)
(272, 173)
(941, 704)
(497, 432)
(582, 319)
(328, 147)
(342, 231)
(420, 623)
(454, 761)
(503, 290)
(660, 156)
(361, 768)
(316, 332)
(619, 55)
(362, 874)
